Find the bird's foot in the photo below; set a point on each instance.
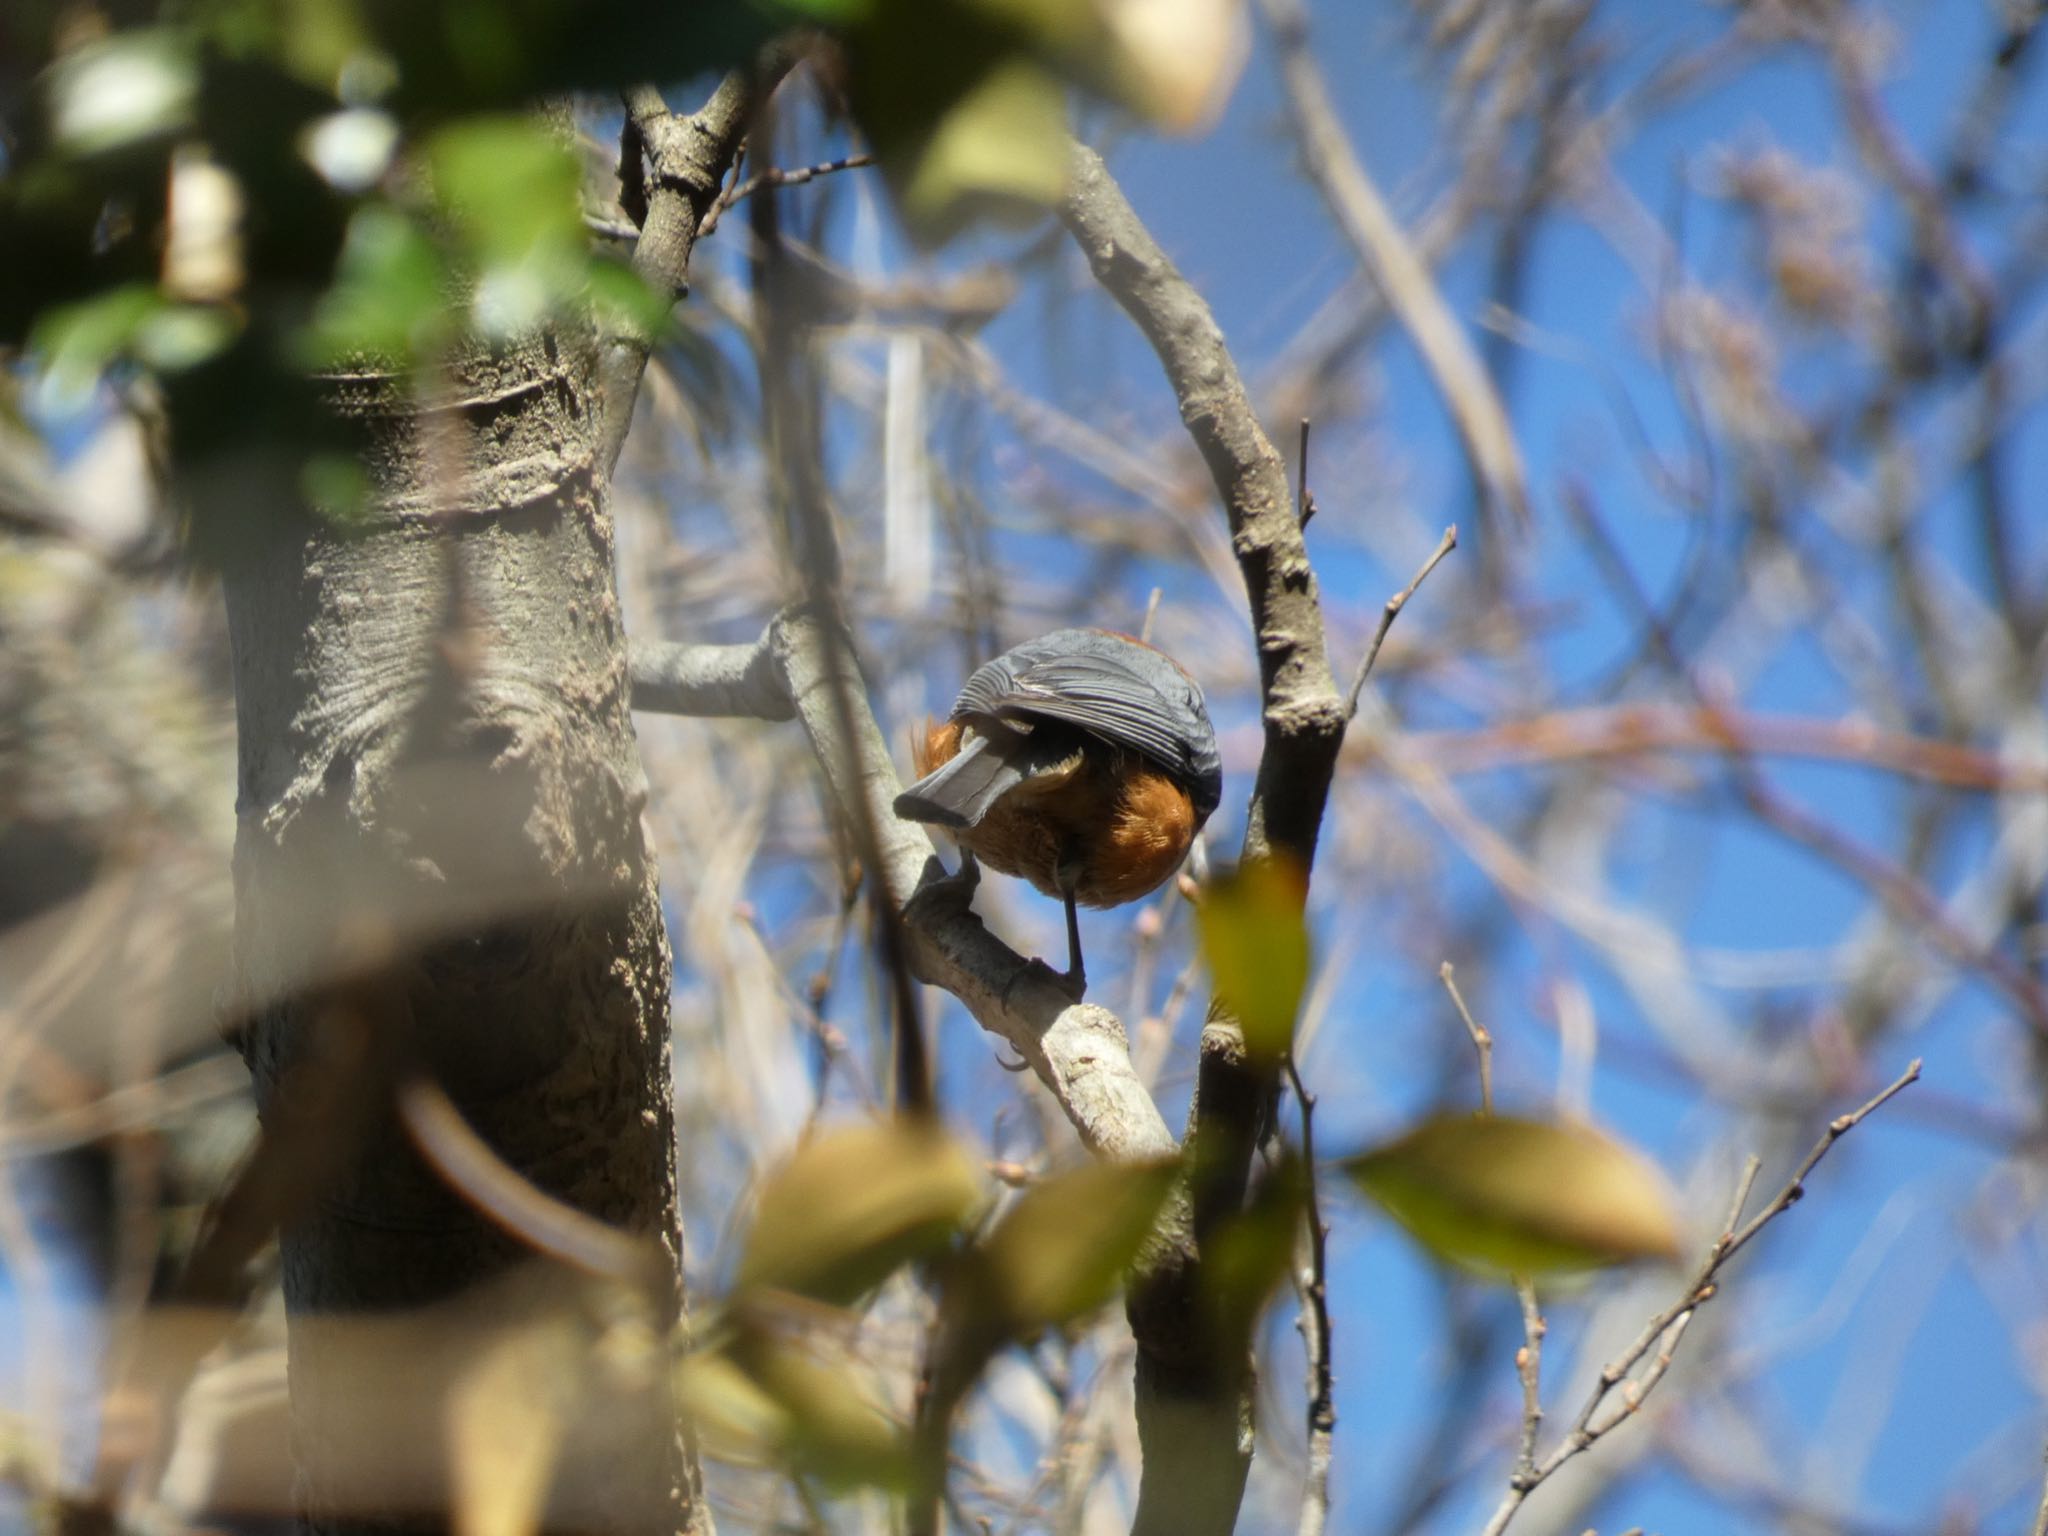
(955, 891)
(1073, 982)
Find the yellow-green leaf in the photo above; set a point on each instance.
(853, 1204)
(767, 1397)
(739, 1419)
(999, 147)
(504, 1423)
(1249, 1254)
(1176, 60)
(1518, 1196)
(1062, 1249)
(1255, 939)
(835, 1430)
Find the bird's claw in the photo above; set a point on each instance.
(1072, 982)
(955, 890)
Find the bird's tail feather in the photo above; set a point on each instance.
(959, 792)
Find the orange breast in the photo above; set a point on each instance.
(1124, 823)
(1148, 833)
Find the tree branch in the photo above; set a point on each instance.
(1363, 216)
(1195, 1409)
(687, 158)
(707, 680)
(1664, 1331)
(1078, 1050)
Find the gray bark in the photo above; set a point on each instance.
(440, 864)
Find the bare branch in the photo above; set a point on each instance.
(1391, 612)
(1362, 214)
(1664, 1331)
(1482, 1040)
(794, 177)
(687, 160)
(1194, 1411)
(1312, 1283)
(709, 680)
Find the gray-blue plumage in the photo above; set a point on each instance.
(1095, 682)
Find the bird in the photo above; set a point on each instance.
(1082, 761)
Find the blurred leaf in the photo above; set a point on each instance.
(203, 259)
(336, 485)
(1063, 1248)
(621, 297)
(738, 1418)
(504, 1424)
(76, 343)
(351, 149)
(999, 149)
(763, 1399)
(833, 1429)
(509, 185)
(1175, 60)
(179, 336)
(122, 90)
(1255, 939)
(511, 190)
(1250, 1254)
(1521, 1196)
(832, 13)
(853, 1204)
(390, 293)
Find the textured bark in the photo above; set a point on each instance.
(1194, 1399)
(438, 768)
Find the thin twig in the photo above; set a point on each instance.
(1304, 499)
(1482, 1041)
(791, 408)
(1529, 1358)
(1529, 1367)
(1665, 1331)
(2041, 1514)
(1391, 612)
(1315, 1326)
(1362, 214)
(1151, 613)
(796, 176)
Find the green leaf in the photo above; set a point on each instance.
(1248, 1256)
(1000, 149)
(509, 186)
(76, 343)
(1512, 1196)
(180, 336)
(831, 1427)
(125, 89)
(336, 485)
(1062, 1249)
(853, 1204)
(390, 294)
(622, 298)
(767, 1396)
(1255, 938)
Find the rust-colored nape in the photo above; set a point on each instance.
(937, 744)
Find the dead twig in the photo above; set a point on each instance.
(1664, 1332)
(1391, 612)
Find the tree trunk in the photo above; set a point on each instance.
(439, 782)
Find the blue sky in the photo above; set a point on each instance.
(1890, 1363)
